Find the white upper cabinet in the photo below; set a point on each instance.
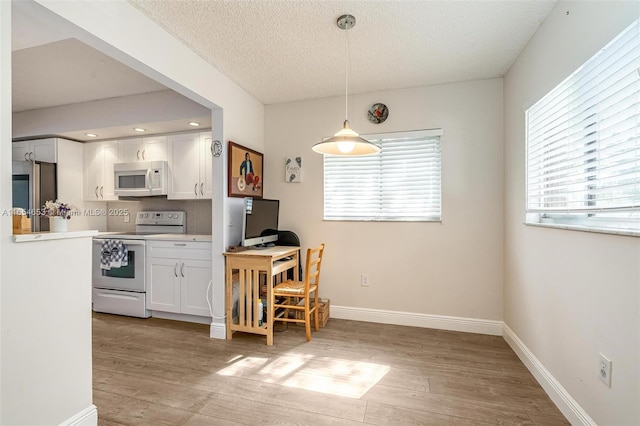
(99, 158)
(206, 165)
(152, 148)
(190, 163)
(44, 150)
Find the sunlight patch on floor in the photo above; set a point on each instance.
(328, 375)
(243, 366)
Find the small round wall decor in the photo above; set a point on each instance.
(216, 148)
(378, 113)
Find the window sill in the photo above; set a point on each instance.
(623, 232)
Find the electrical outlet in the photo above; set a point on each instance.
(126, 218)
(604, 369)
(364, 280)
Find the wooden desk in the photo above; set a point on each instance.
(249, 265)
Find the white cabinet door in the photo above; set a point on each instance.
(99, 158)
(20, 151)
(154, 148)
(129, 150)
(206, 166)
(184, 165)
(163, 284)
(109, 158)
(92, 171)
(44, 150)
(195, 275)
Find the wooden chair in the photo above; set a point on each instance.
(289, 294)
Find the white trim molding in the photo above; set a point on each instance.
(441, 322)
(217, 331)
(558, 394)
(86, 417)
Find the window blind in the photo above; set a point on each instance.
(401, 183)
(583, 137)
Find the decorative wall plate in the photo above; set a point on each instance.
(378, 113)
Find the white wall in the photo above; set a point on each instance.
(118, 29)
(453, 268)
(570, 295)
(46, 331)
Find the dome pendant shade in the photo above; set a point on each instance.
(346, 142)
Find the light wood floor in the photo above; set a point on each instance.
(160, 372)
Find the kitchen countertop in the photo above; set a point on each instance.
(44, 236)
(164, 237)
(179, 237)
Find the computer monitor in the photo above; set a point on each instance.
(260, 222)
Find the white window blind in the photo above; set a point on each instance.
(583, 138)
(401, 183)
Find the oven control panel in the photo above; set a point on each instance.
(169, 218)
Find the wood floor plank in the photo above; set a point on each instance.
(451, 406)
(133, 411)
(202, 420)
(388, 415)
(254, 412)
(152, 371)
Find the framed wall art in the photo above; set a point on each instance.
(245, 172)
(293, 169)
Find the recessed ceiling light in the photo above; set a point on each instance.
(194, 123)
(91, 135)
(139, 129)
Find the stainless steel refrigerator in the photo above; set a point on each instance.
(34, 183)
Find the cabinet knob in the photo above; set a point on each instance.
(195, 189)
(138, 154)
(101, 192)
(182, 270)
(175, 270)
(201, 189)
(96, 192)
(143, 154)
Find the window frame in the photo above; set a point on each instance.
(390, 137)
(609, 216)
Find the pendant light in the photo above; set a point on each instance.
(346, 142)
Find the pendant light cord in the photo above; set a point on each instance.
(346, 76)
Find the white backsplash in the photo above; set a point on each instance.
(198, 213)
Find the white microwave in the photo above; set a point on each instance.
(141, 179)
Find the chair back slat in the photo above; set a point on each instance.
(313, 264)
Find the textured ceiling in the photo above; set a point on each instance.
(281, 51)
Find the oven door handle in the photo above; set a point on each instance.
(127, 242)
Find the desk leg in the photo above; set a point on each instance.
(272, 302)
(229, 297)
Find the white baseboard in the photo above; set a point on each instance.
(181, 317)
(86, 417)
(558, 394)
(441, 322)
(218, 331)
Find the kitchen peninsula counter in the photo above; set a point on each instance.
(48, 236)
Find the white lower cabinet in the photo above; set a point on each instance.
(178, 277)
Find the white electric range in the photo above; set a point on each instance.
(122, 290)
